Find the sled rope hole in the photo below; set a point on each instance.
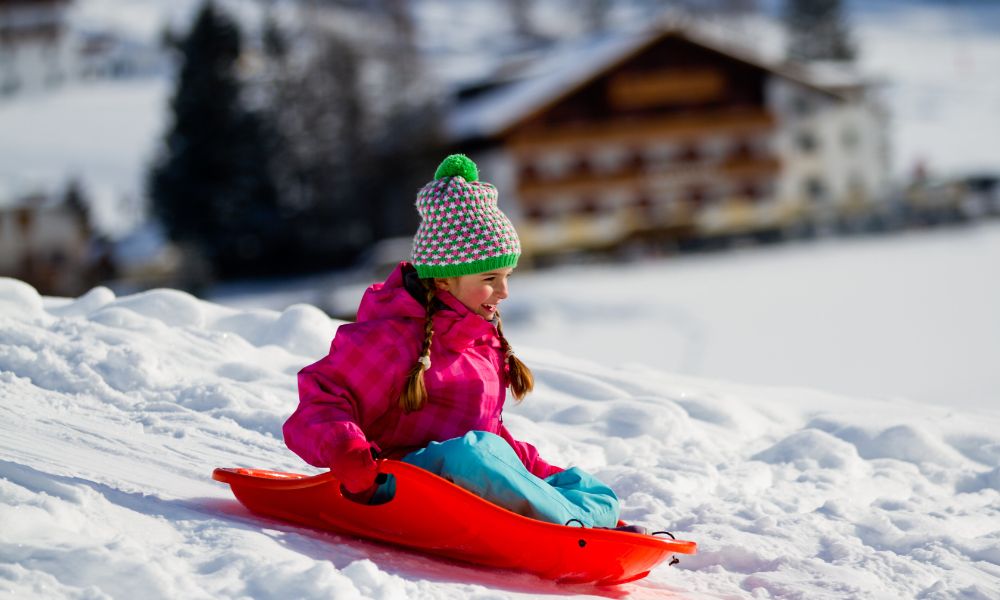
(673, 559)
(581, 542)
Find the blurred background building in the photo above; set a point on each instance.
(670, 135)
(183, 143)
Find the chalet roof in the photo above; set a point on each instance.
(571, 66)
(835, 75)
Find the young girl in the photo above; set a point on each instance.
(422, 375)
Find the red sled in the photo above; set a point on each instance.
(435, 516)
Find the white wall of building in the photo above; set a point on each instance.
(833, 149)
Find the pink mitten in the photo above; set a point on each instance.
(355, 467)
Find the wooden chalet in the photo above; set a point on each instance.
(661, 136)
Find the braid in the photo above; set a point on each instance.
(519, 375)
(414, 394)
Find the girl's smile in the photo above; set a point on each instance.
(481, 293)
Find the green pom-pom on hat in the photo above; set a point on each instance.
(457, 165)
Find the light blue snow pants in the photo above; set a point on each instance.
(486, 465)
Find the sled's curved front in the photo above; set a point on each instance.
(433, 515)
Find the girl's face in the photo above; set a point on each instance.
(480, 293)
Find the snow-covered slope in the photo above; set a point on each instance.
(912, 314)
(113, 412)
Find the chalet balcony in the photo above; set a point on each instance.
(689, 126)
(536, 190)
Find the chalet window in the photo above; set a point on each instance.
(643, 201)
(645, 204)
(580, 166)
(815, 188)
(635, 161)
(751, 190)
(535, 214)
(806, 141)
(688, 154)
(528, 172)
(743, 150)
(696, 195)
(801, 105)
(588, 206)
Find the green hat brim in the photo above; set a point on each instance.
(469, 268)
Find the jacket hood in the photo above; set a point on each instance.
(454, 324)
(389, 299)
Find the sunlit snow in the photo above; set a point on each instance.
(115, 410)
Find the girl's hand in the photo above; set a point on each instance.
(355, 467)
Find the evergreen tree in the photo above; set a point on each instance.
(354, 147)
(817, 30)
(211, 186)
(318, 110)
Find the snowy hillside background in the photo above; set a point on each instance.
(935, 61)
(114, 410)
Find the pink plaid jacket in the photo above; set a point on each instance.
(352, 393)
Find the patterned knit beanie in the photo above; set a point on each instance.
(462, 231)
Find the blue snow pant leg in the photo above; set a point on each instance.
(486, 465)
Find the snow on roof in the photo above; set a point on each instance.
(547, 80)
(573, 64)
(835, 74)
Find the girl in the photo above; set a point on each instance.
(422, 375)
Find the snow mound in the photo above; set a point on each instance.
(906, 442)
(19, 299)
(114, 411)
(811, 448)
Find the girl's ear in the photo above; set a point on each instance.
(442, 284)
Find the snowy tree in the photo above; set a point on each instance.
(817, 30)
(211, 186)
(356, 123)
(318, 112)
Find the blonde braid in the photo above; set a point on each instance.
(414, 394)
(519, 375)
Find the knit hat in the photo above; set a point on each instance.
(462, 231)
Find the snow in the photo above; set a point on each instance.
(911, 315)
(102, 133)
(114, 410)
(822, 419)
(938, 67)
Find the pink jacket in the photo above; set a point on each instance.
(352, 393)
